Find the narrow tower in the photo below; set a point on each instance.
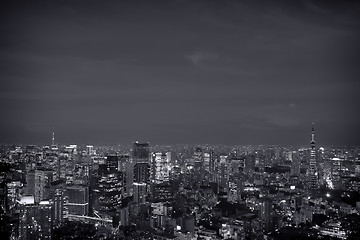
(312, 173)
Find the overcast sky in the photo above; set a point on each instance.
(180, 71)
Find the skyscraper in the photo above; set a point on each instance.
(140, 192)
(108, 193)
(142, 173)
(312, 172)
(58, 200)
(160, 167)
(112, 163)
(141, 183)
(77, 200)
(35, 220)
(141, 152)
(266, 215)
(43, 179)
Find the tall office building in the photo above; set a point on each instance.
(140, 192)
(124, 160)
(112, 163)
(207, 161)
(129, 178)
(223, 176)
(198, 155)
(141, 152)
(30, 183)
(58, 200)
(77, 200)
(266, 215)
(312, 172)
(35, 220)
(295, 164)
(141, 183)
(235, 190)
(63, 164)
(43, 180)
(160, 167)
(90, 150)
(142, 173)
(336, 166)
(161, 192)
(108, 193)
(13, 194)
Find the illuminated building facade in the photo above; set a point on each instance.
(312, 172)
(160, 167)
(266, 215)
(108, 194)
(35, 220)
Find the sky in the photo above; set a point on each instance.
(180, 71)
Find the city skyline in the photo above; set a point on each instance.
(180, 192)
(168, 72)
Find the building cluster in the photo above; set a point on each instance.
(181, 192)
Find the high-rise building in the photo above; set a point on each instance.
(138, 170)
(235, 190)
(30, 183)
(64, 165)
(112, 163)
(140, 192)
(123, 162)
(223, 177)
(129, 178)
(35, 220)
(3, 196)
(58, 199)
(13, 194)
(142, 173)
(312, 171)
(160, 167)
(295, 164)
(336, 166)
(207, 161)
(124, 216)
(161, 192)
(108, 193)
(43, 180)
(77, 200)
(141, 152)
(141, 184)
(90, 149)
(266, 215)
(198, 154)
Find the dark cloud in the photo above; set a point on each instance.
(179, 71)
